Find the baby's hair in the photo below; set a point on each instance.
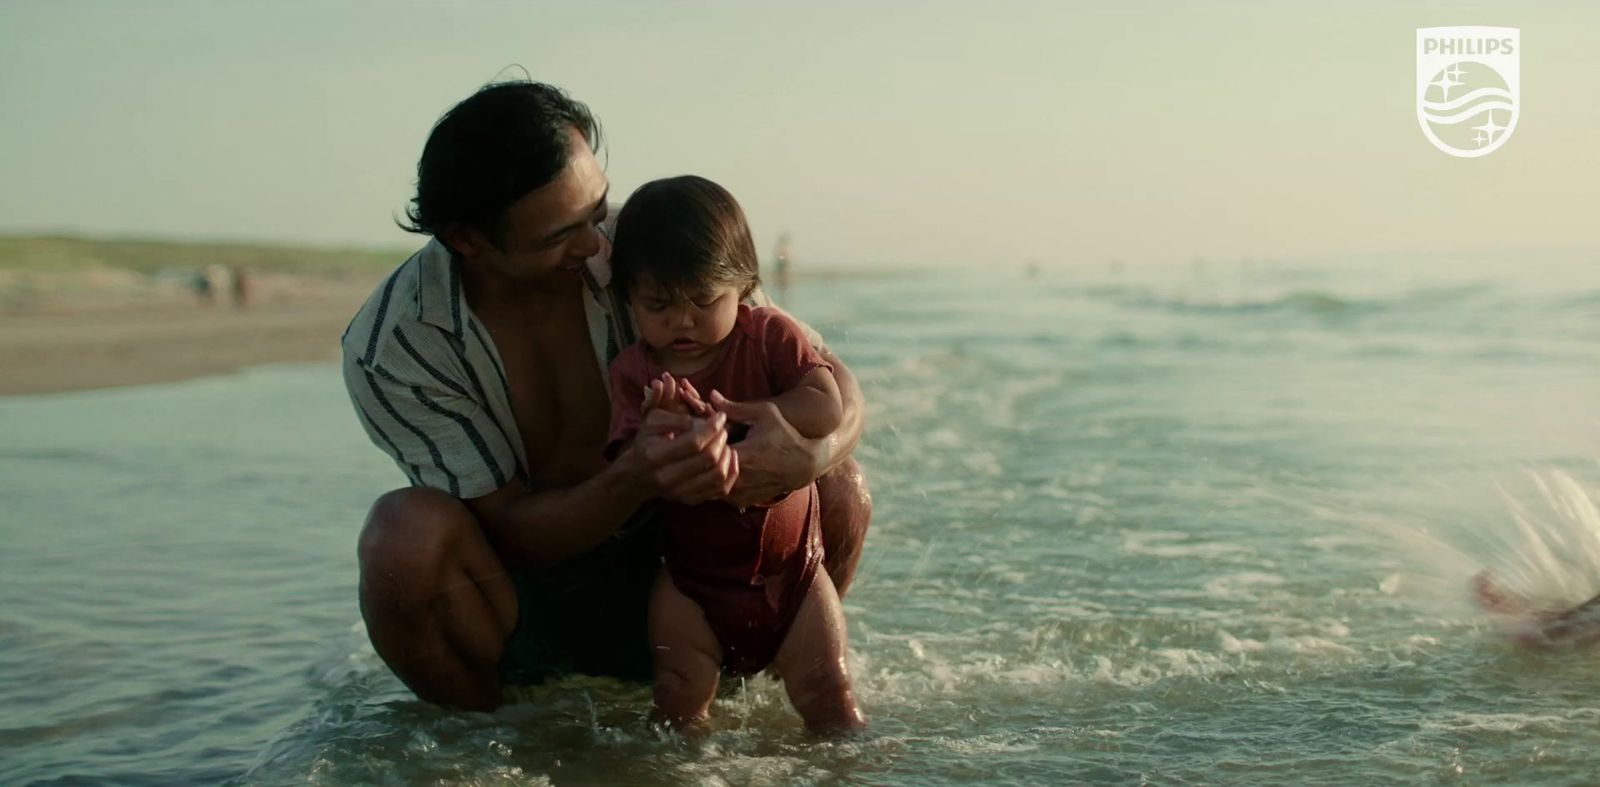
(688, 234)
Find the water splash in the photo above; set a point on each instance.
(1547, 556)
(1553, 559)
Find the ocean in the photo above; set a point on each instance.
(1210, 523)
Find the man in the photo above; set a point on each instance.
(479, 367)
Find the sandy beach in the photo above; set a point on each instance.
(79, 313)
(94, 342)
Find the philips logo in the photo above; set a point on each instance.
(1468, 87)
(1469, 46)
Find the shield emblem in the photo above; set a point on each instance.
(1468, 87)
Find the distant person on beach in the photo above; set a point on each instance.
(518, 553)
(243, 287)
(209, 283)
(783, 262)
(743, 587)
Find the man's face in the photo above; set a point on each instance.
(553, 229)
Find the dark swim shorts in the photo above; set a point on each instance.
(588, 615)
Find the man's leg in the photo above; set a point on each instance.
(438, 604)
(846, 512)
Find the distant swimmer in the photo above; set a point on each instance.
(1534, 627)
(781, 260)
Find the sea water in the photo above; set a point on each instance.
(1204, 524)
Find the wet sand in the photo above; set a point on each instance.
(66, 346)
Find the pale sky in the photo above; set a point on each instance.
(932, 133)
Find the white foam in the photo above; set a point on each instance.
(1333, 542)
(1232, 644)
(1333, 628)
(1495, 722)
(1238, 586)
(1310, 645)
(1165, 543)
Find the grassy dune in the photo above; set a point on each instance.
(63, 254)
(61, 260)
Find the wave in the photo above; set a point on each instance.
(1315, 303)
(1468, 98)
(1468, 114)
(1582, 300)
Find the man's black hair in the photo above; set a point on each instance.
(497, 145)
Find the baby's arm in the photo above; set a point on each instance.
(630, 394)
(808, 395)
(813, 406)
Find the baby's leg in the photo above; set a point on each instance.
(811, 662)
(688, 658)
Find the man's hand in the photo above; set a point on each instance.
(773, 458)
(686, 459)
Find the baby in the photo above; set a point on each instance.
(742, 589)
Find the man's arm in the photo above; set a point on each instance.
(539, 528)
(838, 446)
(774, 457)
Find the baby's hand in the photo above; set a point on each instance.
(666, 393)
(691, 397)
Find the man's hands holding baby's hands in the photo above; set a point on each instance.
(683, 443)
(673, 395)
(779, 459)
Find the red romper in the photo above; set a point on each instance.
(749, 571)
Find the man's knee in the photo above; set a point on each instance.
(846, 507)
(845, 498)
(408, 537)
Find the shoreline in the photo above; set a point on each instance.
(68, 348)
(83, 314)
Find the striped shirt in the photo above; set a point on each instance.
(427, 381)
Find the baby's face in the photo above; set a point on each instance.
(683, 329)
